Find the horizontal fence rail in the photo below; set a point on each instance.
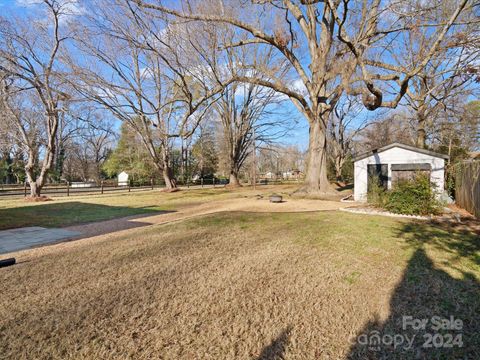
(64, 189)
(467, 186)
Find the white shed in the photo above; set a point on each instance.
(396, 161)
(123, 179)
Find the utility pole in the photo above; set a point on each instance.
(254, 162)
(276, 167)
(182, 161)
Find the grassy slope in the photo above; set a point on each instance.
(242, 286)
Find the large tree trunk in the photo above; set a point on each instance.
(36, 185)
(170, 182)
(35, 190)
(316, 181)
(168, 177)
(234, 182)
(421, 136)
(235, 164)
(339, 161)
(421, 133)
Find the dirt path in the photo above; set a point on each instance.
(242, 204)
(103, 230)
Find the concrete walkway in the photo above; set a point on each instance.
(28, 237)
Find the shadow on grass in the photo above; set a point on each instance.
(61, 214)
(460, 241)
(342, 187)
(276, 349)
(426, 292)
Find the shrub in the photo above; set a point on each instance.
(376, 193)
(412, 197)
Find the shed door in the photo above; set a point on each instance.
(409, 171)
(379, 174)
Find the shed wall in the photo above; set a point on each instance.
(396, 156)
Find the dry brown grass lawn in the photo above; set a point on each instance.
(240, 286)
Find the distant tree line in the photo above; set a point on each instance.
(198, 88)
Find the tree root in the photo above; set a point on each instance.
(233, 186)
(171, 190)
(40, 198)
(305, 192)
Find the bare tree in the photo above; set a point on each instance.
(146, 74)
(204, 154)
(346, 123)
(94, 143)
(30, 61)
(243, 110)
(384, 131)
(7, 136)
(331, 47)
(457, 128)
(281, 161)
(450, 71)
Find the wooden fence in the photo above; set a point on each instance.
(467, 186)
(66, 189)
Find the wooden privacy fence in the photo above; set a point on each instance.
(467, 186)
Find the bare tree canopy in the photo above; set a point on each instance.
(167, 68)
(451, 70)
(331, 47)
(343, 127)
(148, 72)
(33, 85)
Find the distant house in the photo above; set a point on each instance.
(83, 184)
(393, 162)
(292, 174)
(269, 175)
(123, 179)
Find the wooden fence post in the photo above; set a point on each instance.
(151, 182)
(25, 189)
(68, 188)
(214, 182)
(129, 185)
(201, 181)
(101, 184)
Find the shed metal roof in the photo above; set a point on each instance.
(402, 146)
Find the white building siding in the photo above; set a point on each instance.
(391, 156)
(123, 179)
